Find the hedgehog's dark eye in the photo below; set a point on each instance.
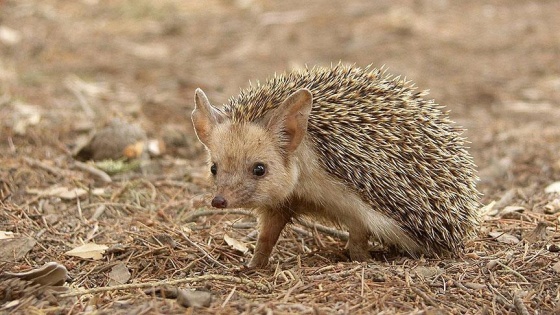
(259, 169)
(214, 169)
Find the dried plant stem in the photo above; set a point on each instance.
(513, 271)
(231, 279)
(93, 171)
(36, 163)
(201, 213)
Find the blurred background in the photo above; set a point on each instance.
(70, 68)
(67, 67)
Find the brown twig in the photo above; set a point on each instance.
(229, 296)
(231, 279)
(424, 296)
(344, 273)
(508, 269)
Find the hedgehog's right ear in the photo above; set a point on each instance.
(290, 119)
(204, 116)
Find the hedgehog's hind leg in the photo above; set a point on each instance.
(358, 246)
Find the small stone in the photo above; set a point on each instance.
(119, 274)
(192, 298)
(492, 264)
(556, 267)
(553, 188)
(552, 207)
(116, 141)
(13, 249)
(428, 272)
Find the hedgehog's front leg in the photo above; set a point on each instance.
(271, 222)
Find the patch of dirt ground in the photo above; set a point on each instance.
(70, 67)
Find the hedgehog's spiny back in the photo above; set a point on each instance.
(398, 151)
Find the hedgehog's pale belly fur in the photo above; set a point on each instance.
(337, 203)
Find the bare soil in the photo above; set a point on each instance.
(69, 67)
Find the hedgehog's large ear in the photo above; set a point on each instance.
(204, 116)
(290, 119)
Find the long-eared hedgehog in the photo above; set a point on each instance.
(352, 146)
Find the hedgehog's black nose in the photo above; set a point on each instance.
(219, 202)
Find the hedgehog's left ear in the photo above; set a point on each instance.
(204, 116)
(290, 119)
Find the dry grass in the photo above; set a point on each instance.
(151, 227)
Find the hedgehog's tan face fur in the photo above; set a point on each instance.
(251, 162)
(240, 153)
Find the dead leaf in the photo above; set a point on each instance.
(538, 234)
(24, 115)
(119, 274)
(553, 188)
(235, 244)
(511, 212)
(5, 235)
(50, 274)
(13, 249)
(488, 210)
(504, 237)
(192, 298)
(88, 251)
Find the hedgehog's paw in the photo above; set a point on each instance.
(258, 262)
(359, 255)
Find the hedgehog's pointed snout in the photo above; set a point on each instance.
(219, 202)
